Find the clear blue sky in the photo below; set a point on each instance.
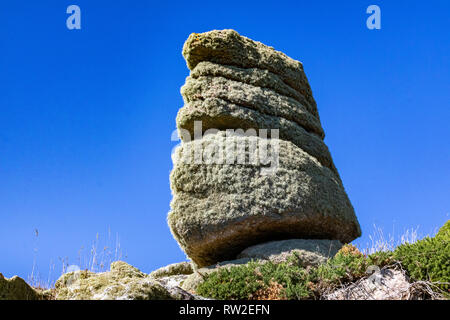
(86, 115)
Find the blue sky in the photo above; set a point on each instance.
(86, 115)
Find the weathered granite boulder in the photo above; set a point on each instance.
(125, 282)
(233, 191)
(16, 288)
(220, 209)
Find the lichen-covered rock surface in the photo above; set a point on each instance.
(16, 288)
(265, 101)
(180, 268)
(228, 196)
(219, 210)
(227, 47)
(122, 282)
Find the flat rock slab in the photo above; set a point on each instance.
(260, 99)
(309, 252)
(219, 210)
(123, 282)
(227, 47)
(218, 114)
(253, 76)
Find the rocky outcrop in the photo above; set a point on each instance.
(124, 282)
(234, 185)
(16, 288)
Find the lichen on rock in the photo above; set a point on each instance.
(122, 282)
(227, 47)
(16, 288)
(263, 100)
(307, 252)
(254, 76)
(216, 113)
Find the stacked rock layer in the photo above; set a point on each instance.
(220, 208)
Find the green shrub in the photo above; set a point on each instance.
(427, 259)
(244, 281)
(295, 279)
(346, 266)
(444, 232)
(237, 282)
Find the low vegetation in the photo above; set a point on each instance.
(426, 260)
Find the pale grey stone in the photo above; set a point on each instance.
(180, 268)
(173, 286)
(221, 208)
(385, 284)
(123, 282)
